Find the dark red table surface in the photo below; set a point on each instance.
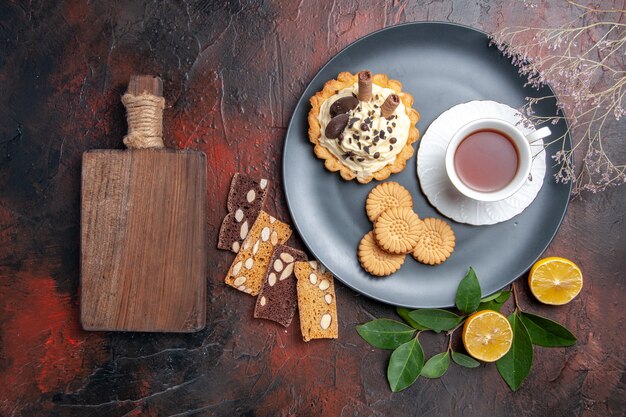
(233, 73)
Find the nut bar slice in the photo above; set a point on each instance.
(278, 299)
(316, 302)
(250, 265)
(245, 200)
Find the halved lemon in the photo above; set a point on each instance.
(487, 335)
(555, 280)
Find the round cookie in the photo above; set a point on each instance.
(384, 196)
(397, 230)
(436, 243)
(376, 261)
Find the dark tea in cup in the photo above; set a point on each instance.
(486, 160)
(490, 159)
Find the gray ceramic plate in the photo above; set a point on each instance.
(441, 65)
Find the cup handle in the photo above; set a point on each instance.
(538, 134)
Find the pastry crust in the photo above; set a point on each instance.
(331, 162)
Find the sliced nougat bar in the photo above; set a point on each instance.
(278, 298)
(250, 265)
(245, 200)
(316, 302)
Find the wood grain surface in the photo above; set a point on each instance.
(143, 240)
(233, 72)
(139, 84)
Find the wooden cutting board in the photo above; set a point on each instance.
(144, 237)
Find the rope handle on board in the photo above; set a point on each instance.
(144, 104)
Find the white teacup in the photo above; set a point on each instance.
(524, 155)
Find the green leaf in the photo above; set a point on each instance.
(405, 365)
(545, 332)
(435, 319)
(385, 333)
(515, 365)
(502, 298)
(436, 366)
(491, 297)
(497, 303)
(404, 313)
(490, 305)
(468, 293)
(464, 360)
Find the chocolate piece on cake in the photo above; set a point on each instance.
(278, 298)
(245, 200)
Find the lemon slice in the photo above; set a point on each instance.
(555, 280)
(487, 335)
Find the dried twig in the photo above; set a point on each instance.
(584, 63)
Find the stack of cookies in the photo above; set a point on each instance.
(280, 276)
(398, 231)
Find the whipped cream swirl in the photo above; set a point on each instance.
(369, 142)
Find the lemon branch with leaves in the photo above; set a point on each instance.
(487, 335)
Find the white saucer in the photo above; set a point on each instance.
(439, 190)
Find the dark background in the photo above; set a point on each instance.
(233, 72)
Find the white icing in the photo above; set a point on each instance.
(369, 164)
